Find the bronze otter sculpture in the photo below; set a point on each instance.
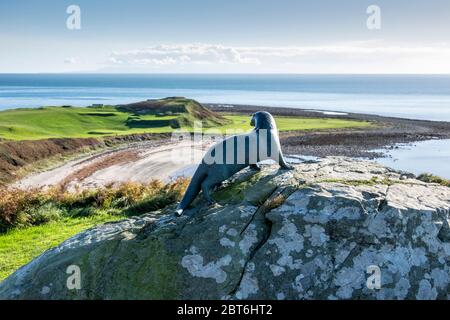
(233, 154)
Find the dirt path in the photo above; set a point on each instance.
(139, 162)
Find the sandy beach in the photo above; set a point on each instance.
(137, 162)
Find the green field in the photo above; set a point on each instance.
(58, 122)
(20, 246)
(293, 124)
(76, 122)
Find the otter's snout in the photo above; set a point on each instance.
(252, 121)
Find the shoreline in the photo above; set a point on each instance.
(359, 143)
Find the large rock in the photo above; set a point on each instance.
(311, 233)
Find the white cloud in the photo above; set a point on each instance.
(182, 54)
(351, 57)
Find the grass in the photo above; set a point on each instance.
(372, 182)
(429, 178)
(20, 246)
(75, 122)
(296, 123)
(32, 221)
(24, 208)
(58, 122)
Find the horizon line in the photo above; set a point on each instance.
(224, 73)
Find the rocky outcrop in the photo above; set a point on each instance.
(326, 230)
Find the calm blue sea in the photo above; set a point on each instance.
(418, 97)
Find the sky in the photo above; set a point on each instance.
(233, 36)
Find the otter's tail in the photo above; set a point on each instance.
(192, 191)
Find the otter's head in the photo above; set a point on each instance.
(263, 120)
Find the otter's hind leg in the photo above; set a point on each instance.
(206, 189)
(283, 164)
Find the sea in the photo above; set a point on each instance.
(425, 97)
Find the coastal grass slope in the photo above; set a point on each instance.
(32, 221)
(20, 246)
(153, 116)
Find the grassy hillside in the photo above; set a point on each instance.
(32, 221)
(179, 111)
(156, 116)
(59, 122)
(19, 246)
